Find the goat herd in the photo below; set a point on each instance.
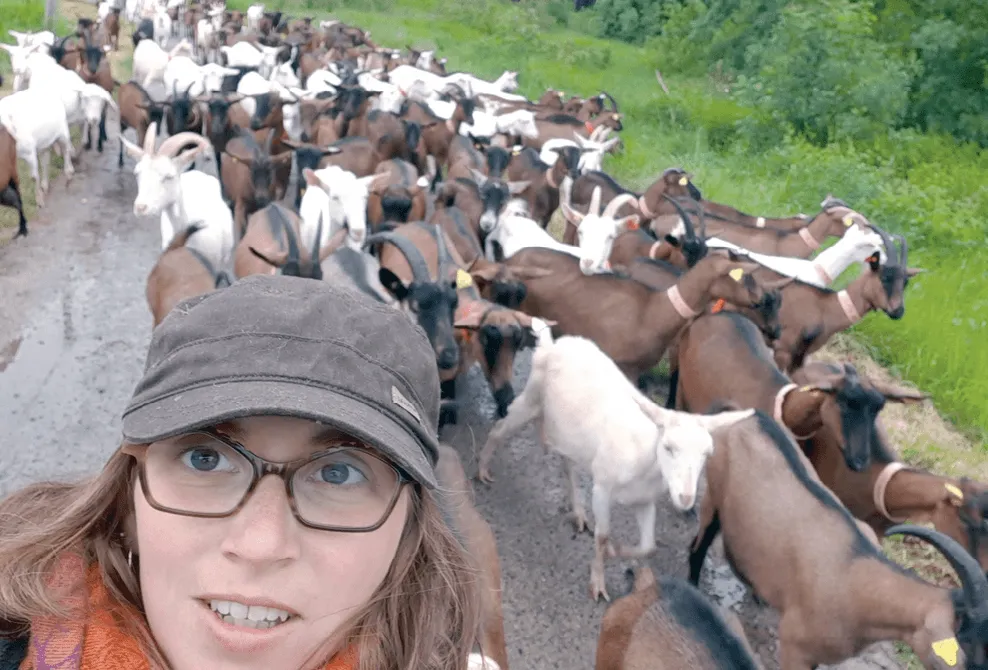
(433, 192)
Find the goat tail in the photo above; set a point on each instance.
(182, 237)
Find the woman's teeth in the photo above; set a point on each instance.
(251, 616)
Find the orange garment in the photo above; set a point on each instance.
(96, 641)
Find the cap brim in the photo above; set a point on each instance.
(209, 405)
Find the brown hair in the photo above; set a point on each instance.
(425, 614)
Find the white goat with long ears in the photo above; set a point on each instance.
(45, 37)
(592, 149)
(588, 412)
(596, 230)
(182, 198)
(338, 200)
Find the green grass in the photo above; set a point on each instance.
(927, 188)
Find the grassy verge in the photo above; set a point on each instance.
(28, 16)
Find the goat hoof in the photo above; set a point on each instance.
(579, 520)
(484, 475)
(598, 588)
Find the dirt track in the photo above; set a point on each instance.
(74, 326)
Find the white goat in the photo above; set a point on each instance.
(182, 198)
(254, 15)
(589, 412)
(858, 243)
(322, 80)
(36, 120)
(44, 38)
(248, 54)
(519, 122)
(339, 199)
(20, 59)
(596, 230)
(162, 27)
(592, 148)
(506, 83)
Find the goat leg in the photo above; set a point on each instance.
(31, 158)
(67, 168)
(646, 533)
(447, 412)
(11, 197)
(526, 407)
(601, 503)
(709, 527)
(579, 512)
(87, 135)
(102, 131)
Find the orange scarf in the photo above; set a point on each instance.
(96, 641)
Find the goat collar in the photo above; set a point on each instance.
(846, 304)
(881, 484)
(654, 249)
(823, 274)
(451, 125)
(588, 126)
(780, 400)
(644, 207)
(679, 304)
(809, 239)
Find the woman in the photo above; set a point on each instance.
(273, 505)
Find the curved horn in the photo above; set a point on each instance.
(903, 250)
(973, 580)
(442, 252)
(612, 207)
(269, 141)
(687, 223)
(314, 256)
(171, 145)
(286, 225)
(420, 271)
(594, 209)
(890, 248)
(614, 104)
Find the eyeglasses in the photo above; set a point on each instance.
(205, 474)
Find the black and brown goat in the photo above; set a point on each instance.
(670, 625)
(655, 201)
(181, 272)
(184, 111)
(410, 260)
(111, 28)
(272, 244)
(10, 192)
(630, 322)
(356, 154)
(722, 358)
(804, 554)
(220, 129)
(248, 176)
(137, 111)
(544, 180)
(437, 133)
(889, 491)
(562, 126)
(464, 156)
(397, 198)
(393, 137)
(307, 156)
(95, 69)
(595, 105)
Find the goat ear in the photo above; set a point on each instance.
(900, 394)
(912, 272)
(311, 178)
(571, 215)
(390, 281)
(712, 422)
(516, 187)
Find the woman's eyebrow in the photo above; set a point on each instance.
(330, 436)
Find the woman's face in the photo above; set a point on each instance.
(261, 556)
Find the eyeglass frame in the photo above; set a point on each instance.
(262, 467)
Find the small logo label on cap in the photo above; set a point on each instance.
(404, 403)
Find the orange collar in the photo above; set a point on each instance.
(588, 126)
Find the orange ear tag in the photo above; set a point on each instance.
(718, 306)
(633, 225)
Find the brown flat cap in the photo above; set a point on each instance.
(286, 346)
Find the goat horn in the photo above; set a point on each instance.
(613, 101)
(442, 255)
(973, 580)
(594, 209)
(903, 250)
(612, 207)
(420, 271)
(890, 248)
(687, 223)
(293, 251)
(150, 136)
(315, 244)
(171, 145)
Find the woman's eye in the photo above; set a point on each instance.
(341, 474)
(203, 459)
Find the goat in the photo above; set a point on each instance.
(667, 624)
(721, 358)
(356, 154)
(544, 178)
(719, 212)
(478, 536)
(407, 275)
(272, 244)
(339, 201)
(181, 272)
(10, 193)
(399, 197)
(803, 553)
(35, 118)
(630, 322)
(111, 28)
(592, 150)
(589, 412)
(137, 111)
(672, 183)
(179, 197)
(248, 177)
(563, 126)
(464, 156)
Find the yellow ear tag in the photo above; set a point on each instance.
(736, 274)
(683, 181)
(953, 490)
(848, 221)
(947, 650)
(806, 388)
(515, 151)
(463, 279)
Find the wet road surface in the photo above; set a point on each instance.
(74, 327)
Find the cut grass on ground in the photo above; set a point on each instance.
(28, 16)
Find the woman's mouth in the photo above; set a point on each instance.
(248, 616)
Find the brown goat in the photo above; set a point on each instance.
(669, 625)
(630, 322)
(399, 198)
(437, 133)
(672, 183)
(479, 538)
(272, 244)
(10, 193)
(137, 111)
(357, 155)
(181, 272)
(111, 28)
(248, 175)
(463, 157)
(722, 358)
(803, 553)
(544, 180)
(559, 125)
(889, 491)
